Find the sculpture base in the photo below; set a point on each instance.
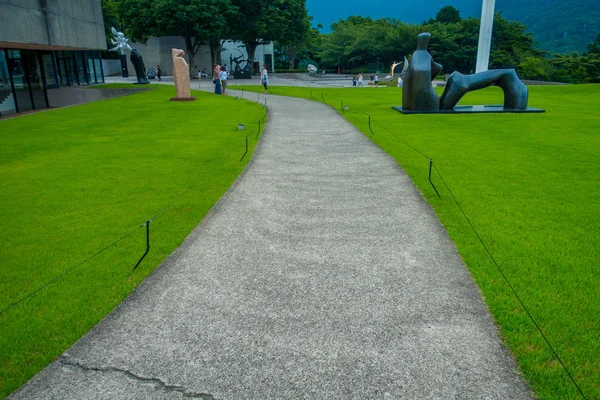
(141, 83)
(242, 75)
(182, 98)
(472, 110)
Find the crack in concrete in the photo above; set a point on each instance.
(156, 382)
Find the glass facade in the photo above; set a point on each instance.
(7, 98)
(27, 75)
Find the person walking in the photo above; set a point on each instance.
(360, 80)
(224, 76)
(376, 80)
(354, 79)
(158, 71)
(264, 78)
(400, 82)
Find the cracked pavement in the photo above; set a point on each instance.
(321, 274)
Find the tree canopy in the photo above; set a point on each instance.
(197, 21)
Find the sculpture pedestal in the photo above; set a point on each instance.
(473, 110)
(242, 75)
(182, 99)
(124, 71)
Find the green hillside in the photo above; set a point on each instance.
(560, 26)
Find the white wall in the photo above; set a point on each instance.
(111, 67)
(158, 51)
(234, 49)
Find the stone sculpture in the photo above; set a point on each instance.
(417, 91)
(181, 76)
(138, 65)
(515, 92)
(418, 94)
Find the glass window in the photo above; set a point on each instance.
(98, 64)
(61, 65)
(49, 72)
(90, 66)
(70, 61)
(34, 77)
(23, 97)
(81, 67)
(7, 99)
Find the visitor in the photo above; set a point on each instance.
(264, 78)
(224, 76)
(400, 81)
(354, 79)
(217, 79)
(372, 79)
(203, 74)
(216, 70)
(376, 80)
(158, 71)
(360, 80)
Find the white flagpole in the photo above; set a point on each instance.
(485, 35)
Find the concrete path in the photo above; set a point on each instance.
(321, 274)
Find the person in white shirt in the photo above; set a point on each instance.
(360, 80)
(223, 75)
(400, 81)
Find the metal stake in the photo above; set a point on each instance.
(147, 244)
(430, 166)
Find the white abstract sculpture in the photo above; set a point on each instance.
(312, 69)
(120, 42)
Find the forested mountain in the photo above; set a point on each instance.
(558, 25)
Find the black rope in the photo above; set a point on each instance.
(484, 246)
(406, 143)
(509, 284)
(189, 188)
(70, 270)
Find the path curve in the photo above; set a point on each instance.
(321, 274)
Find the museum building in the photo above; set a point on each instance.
(46, 45)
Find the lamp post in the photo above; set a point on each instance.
(485, 35)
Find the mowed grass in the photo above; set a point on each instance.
(75, 180)
(529, 183)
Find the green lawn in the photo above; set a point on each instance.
(529, 184)
(74, 180)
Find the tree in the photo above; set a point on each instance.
(294, 17)
(594, 48)
(110, 14)
(448, 15)
(254, 23)
(197, 21)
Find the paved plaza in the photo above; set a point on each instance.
(321, 274)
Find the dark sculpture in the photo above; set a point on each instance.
(241, 67)
(417, 91)
(138, 64)
(418, 94)
(516, 94)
